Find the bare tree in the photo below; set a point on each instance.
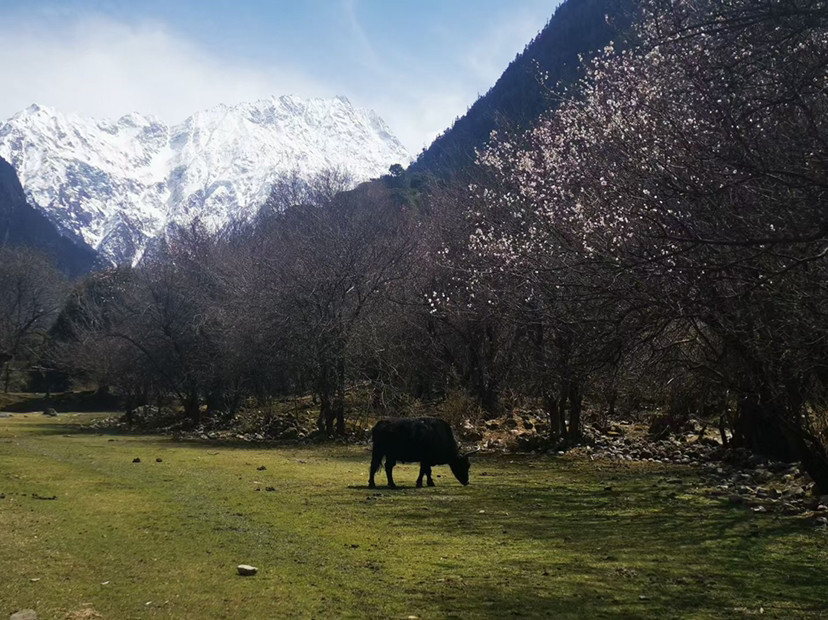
(31, 294)
(326, 261)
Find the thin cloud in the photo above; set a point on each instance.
(99, 67)
(490, 55)
(368, 55)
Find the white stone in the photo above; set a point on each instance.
(246, 570)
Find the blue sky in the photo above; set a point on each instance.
(418, 63)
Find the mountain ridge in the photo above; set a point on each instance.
(22, 225)
(116, 185)
(577, 29)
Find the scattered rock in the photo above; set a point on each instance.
(49, 411)
(24, 614)
(245, 570)
(159, 460)
(473, 435)
(261, 468)
(790, 509)
(821, 521)
(270, 489)
(136, 460)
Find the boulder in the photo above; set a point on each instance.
(49, 411)
(24, 614)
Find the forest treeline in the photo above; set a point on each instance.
(659, 239)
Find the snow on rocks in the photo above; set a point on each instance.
(118, 185)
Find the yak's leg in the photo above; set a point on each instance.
(423, 471)
(389, 465)
(429, 479)
(376, 463)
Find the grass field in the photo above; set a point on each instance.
(530, 537)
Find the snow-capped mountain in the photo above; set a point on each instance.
(116, 185)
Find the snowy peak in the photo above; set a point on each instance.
(117, 185)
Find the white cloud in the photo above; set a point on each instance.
(423, 116)
(426, 104)
(99, 67)
(96, 66)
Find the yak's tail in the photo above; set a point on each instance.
(376, 461)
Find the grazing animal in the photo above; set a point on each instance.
(427, 441)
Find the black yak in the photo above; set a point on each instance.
(427, 441)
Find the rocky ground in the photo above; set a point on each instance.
(734, 476)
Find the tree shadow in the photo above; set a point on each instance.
(663, 556)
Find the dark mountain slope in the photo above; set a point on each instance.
(518, 98)
(22, 225)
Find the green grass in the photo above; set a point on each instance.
(533, 537)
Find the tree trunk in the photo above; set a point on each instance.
(575, 405)
(192, 410)
(815, 461)
(562, 409)
(489, 397)
(339, 401)
(611, 402)
(6, 375)
(550, 403)
(377, 399)
(129, 408)
(324, 422)
(759, 428)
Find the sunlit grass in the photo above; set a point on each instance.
(529, 537)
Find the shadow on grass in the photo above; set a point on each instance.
(629, 553)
